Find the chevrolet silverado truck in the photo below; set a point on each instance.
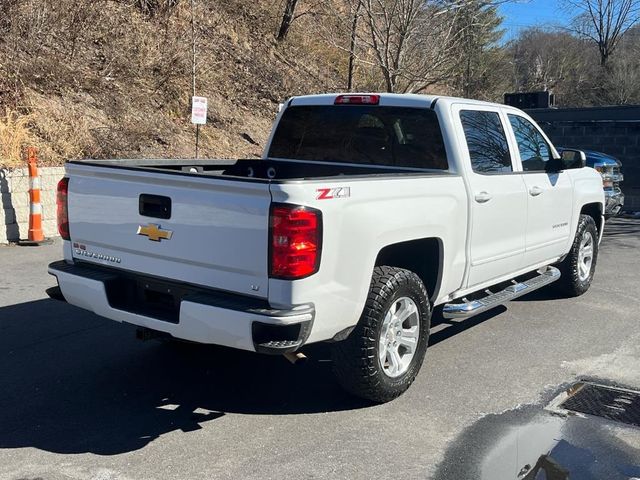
(366, 212)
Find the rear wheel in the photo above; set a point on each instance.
(383, 354)
(580, 265)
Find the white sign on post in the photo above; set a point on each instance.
(199, 110)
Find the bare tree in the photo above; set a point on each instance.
(555, 60)
(291, 14)
(558, 60)
(410, 40)
(622, 82)
(481, 60)
(605, 22)
(414, 42)
(287, 19)
(153, 7)
(352, 44)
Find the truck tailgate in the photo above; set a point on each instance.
(216, 234)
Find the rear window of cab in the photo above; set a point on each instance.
(361, 134)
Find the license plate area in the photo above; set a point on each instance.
(160, 298)
(147, 297)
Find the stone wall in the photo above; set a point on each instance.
(14, 203)
(611, 130)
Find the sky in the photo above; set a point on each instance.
(521, 14)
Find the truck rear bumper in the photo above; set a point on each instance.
(183, 311)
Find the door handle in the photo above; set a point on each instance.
(535, 191)
(483, 197)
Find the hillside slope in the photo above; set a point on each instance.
(105, 78)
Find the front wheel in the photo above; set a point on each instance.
(578, 268)
(383, 354)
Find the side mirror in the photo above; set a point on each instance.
(554, 165)
(573, 159)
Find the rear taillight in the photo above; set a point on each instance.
(63, 208)
(296, 238)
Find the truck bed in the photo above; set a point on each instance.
(260, 169)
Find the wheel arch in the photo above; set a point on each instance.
(423, 256)
(595, 211)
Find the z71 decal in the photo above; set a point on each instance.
(337, 192)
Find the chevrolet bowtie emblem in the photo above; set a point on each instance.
(154, 232)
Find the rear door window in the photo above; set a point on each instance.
(362, 134)
(486, 141)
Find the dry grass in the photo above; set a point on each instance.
(59, 132)
(14, 137)
(62, 128)
(98, 78)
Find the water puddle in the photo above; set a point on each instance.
(534, 443)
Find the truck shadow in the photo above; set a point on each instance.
(443, 329)
(73, 383)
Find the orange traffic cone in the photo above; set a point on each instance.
(35, 235)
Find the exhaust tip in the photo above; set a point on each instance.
(296, 358)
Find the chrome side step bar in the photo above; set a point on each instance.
(469, 308)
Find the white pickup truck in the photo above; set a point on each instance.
(365, 213)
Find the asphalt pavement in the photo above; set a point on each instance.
(81, 398)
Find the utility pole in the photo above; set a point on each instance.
(193, 67)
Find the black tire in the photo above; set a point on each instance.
(571, 284)
(356, 359)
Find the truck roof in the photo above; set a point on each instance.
(389, 99)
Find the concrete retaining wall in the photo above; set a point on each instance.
(14, 202)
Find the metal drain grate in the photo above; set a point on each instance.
(612, 403)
